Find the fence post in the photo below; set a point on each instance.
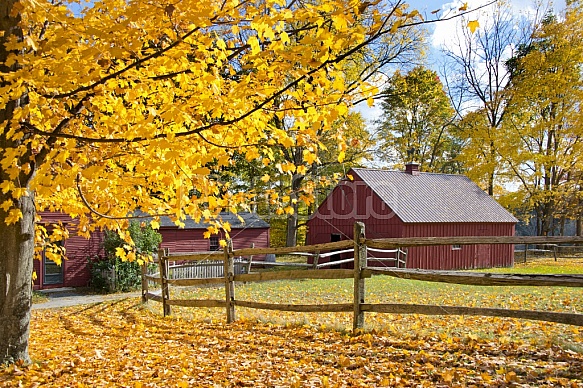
(165, 292)
(316, 260)
(555, 251)
(359, 264)
(250, 260)
(398, 257)
(229, 273)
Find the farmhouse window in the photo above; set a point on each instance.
(214, 243)
(456, 247)
(52, 272)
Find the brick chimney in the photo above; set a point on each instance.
(412, 168)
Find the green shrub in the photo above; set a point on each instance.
(99, 269)
(113, 274)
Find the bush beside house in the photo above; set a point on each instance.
(113, 274)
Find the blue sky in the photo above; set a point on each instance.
(444, 32)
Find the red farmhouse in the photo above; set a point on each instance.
(74, 271)
(417, 204)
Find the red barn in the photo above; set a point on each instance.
(411, 203)
(74, 271)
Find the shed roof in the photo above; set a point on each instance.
(431, 197)
(250, 220)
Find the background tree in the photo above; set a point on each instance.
(295, 172)
(476, 75)
(125, 105)
(312, 177)
(287, 186)
(416, 119)
(543, 128)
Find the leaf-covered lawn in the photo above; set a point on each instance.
(129, 345)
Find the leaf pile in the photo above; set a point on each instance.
(125, 344)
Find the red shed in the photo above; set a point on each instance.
(411, 203)
(74, 271)
(246, 230)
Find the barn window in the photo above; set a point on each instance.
(214, 243)
(456, 247)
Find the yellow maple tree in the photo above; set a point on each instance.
(123, 105)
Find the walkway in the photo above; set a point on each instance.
(65, 297)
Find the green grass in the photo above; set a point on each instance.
(39, 297)
(544, 266)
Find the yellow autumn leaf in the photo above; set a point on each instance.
(120, 252)
(309, 157)
(14, 215)
(253, 42)
(473, 25)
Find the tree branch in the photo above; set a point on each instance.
(102, 215)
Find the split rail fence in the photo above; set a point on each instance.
(360, 273)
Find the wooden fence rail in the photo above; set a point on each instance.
(360, 273)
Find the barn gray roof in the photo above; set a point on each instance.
(250, 220)
(432, 197)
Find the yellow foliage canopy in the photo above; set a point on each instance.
(133, 104)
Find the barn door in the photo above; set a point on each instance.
(483, 251)
(334, 237)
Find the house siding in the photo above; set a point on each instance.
(349, 202)
(77, 250)
(192, 240)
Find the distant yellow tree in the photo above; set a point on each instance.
(477, 79)
(543, 131)
(478, 153)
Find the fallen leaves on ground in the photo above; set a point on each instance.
(128, 345)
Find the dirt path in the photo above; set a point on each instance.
(72, 297)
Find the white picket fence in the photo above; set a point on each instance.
(204, 269)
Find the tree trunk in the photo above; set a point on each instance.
(291, 233)
(17, 252)
(17, 239)
(491, 173)
(291, 239)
